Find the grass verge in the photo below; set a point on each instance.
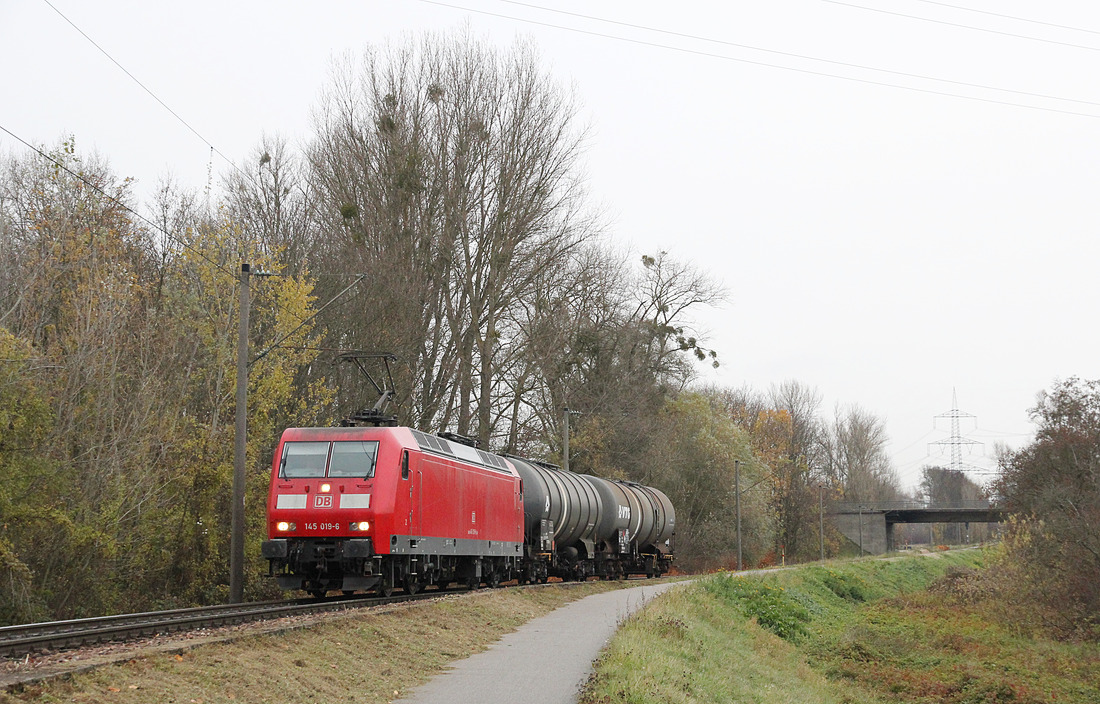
(866, 631)
(370, 658)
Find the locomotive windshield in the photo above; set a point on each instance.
(328, 459)
(304, 459)
(352, 459)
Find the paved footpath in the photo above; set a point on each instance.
(546, 661)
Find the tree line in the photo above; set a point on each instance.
(448, 174)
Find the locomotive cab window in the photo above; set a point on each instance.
(328, 459)
(353, 459)
(304, 459)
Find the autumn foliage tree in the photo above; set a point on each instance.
(695, 465)
(1053, 487)
(117, 377)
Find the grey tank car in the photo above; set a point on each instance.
(578, 526)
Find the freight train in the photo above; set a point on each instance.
(377, 508)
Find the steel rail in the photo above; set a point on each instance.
(48, 636)
(56, 635)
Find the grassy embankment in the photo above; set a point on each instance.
(908, 630)
(368, 658)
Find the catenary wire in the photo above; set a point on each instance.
(1010, 17)
(176, 115)
(150, 92)
(117, 202)
(697, 52)
(964, 26)
(154, 96)
(166, 233)
(795, 55)
(912, 444)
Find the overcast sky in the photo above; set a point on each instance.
(900, 195)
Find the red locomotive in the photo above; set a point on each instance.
(374, 508)
(365, 508)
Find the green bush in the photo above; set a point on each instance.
(846, 586)
(771, 606)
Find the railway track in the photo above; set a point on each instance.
(20, 640)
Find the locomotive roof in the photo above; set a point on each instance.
(424, 441)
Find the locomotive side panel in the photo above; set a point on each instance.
(456, 509)
(440, 506)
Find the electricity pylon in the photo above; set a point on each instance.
(956, 442)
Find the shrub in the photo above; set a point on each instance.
(847, 587)
(771, 606)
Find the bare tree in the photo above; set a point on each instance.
(448, 171)
(267, 196)
(856, 456)
(669, 290)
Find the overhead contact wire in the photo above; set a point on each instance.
(964, 26)
(147, 90)
(697, 52)
(1010, 17)
(118, 202)
(163, 104)
(806, 57)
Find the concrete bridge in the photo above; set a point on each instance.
(871, 525)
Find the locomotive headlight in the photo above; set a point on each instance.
(326, 488)
(360, 525)
(283, 526)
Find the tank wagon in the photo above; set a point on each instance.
(577, 526)
(375, 508)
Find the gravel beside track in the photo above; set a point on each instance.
(145, 637)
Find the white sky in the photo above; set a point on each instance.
(882, 244)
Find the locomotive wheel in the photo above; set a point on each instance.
(386, 587)
(412, 585)
(494, 579)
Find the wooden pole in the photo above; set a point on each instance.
(236, 540)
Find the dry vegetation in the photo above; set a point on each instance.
(928, 629)
(374, 657)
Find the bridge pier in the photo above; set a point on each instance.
(868, 527)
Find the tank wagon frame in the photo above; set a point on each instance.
(375, 508)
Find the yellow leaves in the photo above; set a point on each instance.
(770, 435)
(201, 318)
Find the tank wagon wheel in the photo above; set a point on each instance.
(316, 593)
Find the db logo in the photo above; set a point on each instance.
(322, 501)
